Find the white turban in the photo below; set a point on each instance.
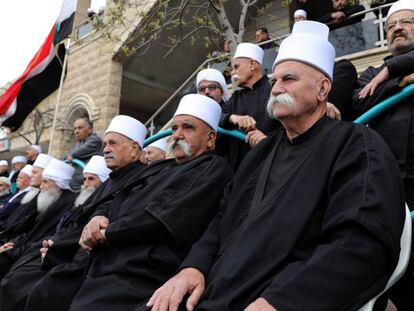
(308, 44)
(27, 169)
(211, 74)
(60, 172)
(42, 160)
(300, 12)
(160, 144)
(249, 50)
(400, 6)
(4, 162)
(129, 127)
(37, 148)
(201, 107)
(5, 180)
(97, 166)
(19, 159)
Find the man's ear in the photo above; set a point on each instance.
(136, 150)
(323, 89)
(211, 140)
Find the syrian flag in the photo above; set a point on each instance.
(42, 76)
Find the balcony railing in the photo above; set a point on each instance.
(362, 36)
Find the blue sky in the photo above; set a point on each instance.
(24, 24)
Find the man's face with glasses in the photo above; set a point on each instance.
(211, 89)
(400, 32)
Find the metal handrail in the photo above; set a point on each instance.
(385, 105)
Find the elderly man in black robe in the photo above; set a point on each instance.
(246, 108)
(154, 223)
(315, 214)
(17, 283)
(396, 124)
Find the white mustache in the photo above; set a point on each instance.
(281, 99)
(182, 144)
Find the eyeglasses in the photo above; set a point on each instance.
(404, 22)
(211, 87)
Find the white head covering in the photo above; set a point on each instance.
(202, 107)
(27, 169)
(160, 144)
(300, 12)
(399, 6)
(129, 127)
(37, 148)
(42, 160)
(97, 166)
(211, 74)
(60, 172)
(4, 162)
(250, 50)
(5, 180)
(19, 159)
(308, 44)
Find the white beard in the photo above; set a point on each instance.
(46, 198)
(84, 195)
(29, 196)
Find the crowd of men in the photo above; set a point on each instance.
(307, 213)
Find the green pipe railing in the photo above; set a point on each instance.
(385, 105)
(233, 133)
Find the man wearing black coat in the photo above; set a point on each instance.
(395, 125)
(245, 110)
(315, 214)
(87, 145)
(343, 9)
(152, 226)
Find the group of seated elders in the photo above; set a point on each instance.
(30, 267)
(316, 203)
(315, 213)
(18, 220)
(53, 200)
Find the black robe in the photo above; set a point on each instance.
(43, 224)
(251, 102)
(396, 125)
(29, 269)
(150, 233)
(325, 236)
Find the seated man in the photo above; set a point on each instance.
(5, 192)
(4, 168)
(17, 283)
(139, 241)
(155, 151)
(315, 214)
(23, 184)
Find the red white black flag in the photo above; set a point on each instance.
(42, 75)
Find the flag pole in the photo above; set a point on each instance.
(62, 77)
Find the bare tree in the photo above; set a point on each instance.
(36, 124)
(144, 21)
